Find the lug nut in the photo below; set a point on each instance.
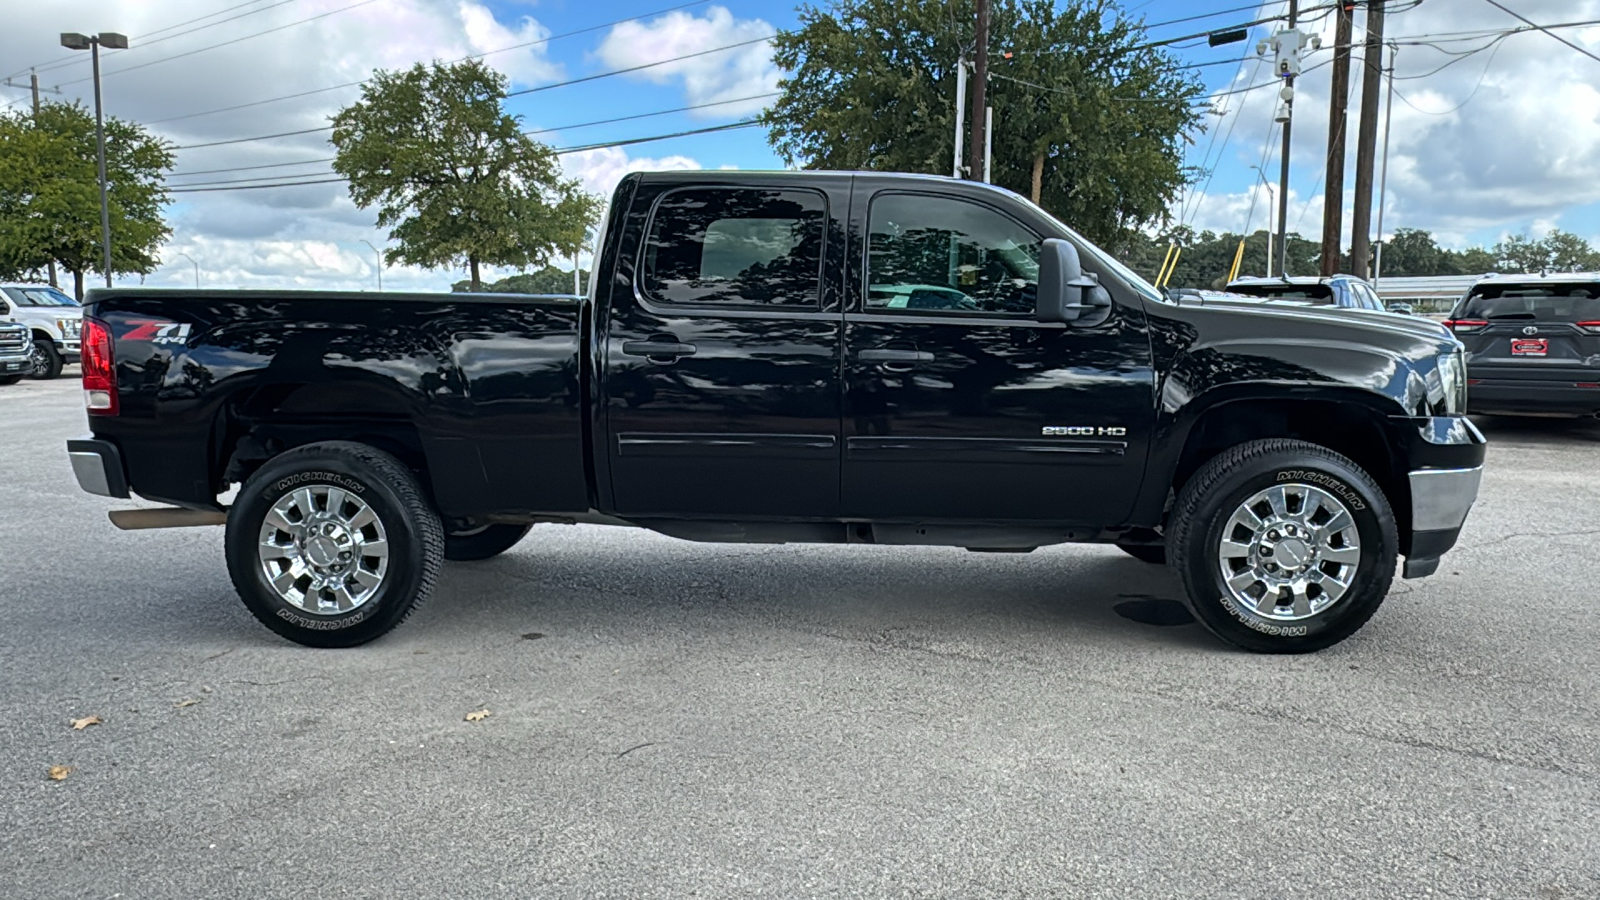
(1272, 535)
(344, 554)
(1266, 551)
(1272, 567)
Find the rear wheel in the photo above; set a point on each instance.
(47, 361)
(1283, 546)
(483, 543)
(333, 544)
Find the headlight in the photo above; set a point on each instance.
(70, 327)
(1447, 384)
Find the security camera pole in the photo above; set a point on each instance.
(75, 41)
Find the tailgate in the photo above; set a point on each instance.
(1532, 331)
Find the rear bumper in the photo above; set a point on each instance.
(1543, 396)
(98, 467)
(1447, 469)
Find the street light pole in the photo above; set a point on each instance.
(1383, 178)
(196, 269)
(379, 254)
(1271, 233)
(75, 41)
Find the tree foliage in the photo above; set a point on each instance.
(1207, 256)
(451, 173)
(1086, 122)
(548, 280)
(50, 195)
(1413, 251)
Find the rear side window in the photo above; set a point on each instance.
(738, 247)
(1547, 302)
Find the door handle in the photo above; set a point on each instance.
(657, 350)
(893, 359)
(891, 354)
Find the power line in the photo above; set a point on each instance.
(1510, 12)
(53, 63)
(262, 137)
(302, 162)
(239, 186)
(661, 62)
(236, 40)
(520, 46)
(144, 43)
(649, 115)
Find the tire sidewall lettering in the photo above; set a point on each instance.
(1313, 477)
(288, 483)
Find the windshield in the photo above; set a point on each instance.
(1101, 257)
(41, 296)
(1548, 302)
(1317, 294)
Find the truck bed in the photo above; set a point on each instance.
(462, 384)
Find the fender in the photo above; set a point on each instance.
(1378, 379)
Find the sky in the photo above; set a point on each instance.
(1489, 138)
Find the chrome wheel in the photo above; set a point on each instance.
(39, 361)
(323, 550)
(1289, 552)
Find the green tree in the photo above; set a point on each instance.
(1086, 122)
(548, 280)
(1413, 251)
(452, 175)
(1521, 253)
(1566, 252)
(1474, 261)
(50, 195)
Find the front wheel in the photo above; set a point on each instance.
(1283, 546)
(46, 359)
(483, 543)
(333, 544)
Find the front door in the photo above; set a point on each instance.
(720, 382)
(959, 405)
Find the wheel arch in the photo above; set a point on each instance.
(1355, 423)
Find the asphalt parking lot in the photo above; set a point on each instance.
(672, 719)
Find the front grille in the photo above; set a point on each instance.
(13, 341)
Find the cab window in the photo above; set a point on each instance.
(735, 246)
(940, 255)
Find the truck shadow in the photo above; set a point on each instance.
(927, 596)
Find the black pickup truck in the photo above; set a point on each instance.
(791, 357)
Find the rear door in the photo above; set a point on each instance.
(720, 349)
(1536, 330)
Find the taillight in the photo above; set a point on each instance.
(1466, 326)
(1591, 327)
(99, 369)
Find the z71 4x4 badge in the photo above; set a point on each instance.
(159, 332)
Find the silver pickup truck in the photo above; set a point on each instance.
(16, 352)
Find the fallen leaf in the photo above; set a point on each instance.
(60, 773)
(478, 716)
(182, 703)
(85, 722)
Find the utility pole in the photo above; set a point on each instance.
(1367, 140)
(1338, 113)
(1288, 66)
(961, 109)
(980, 100)
(379, 255)
(1383, 172)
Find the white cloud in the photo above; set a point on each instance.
(291, 237)
(1513, 158)
(600, 170)
(727, 75)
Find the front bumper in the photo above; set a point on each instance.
(15, 365)
(98, 467)
(70, 349)
(1447, 460)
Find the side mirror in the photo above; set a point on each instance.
(1066, 293)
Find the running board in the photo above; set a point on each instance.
(165, 517)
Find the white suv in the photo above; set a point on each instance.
(54, 319)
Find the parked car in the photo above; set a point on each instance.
(16, 351)
(740, 373)
(53, 317)
(1342, 291)
(1533, 344)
